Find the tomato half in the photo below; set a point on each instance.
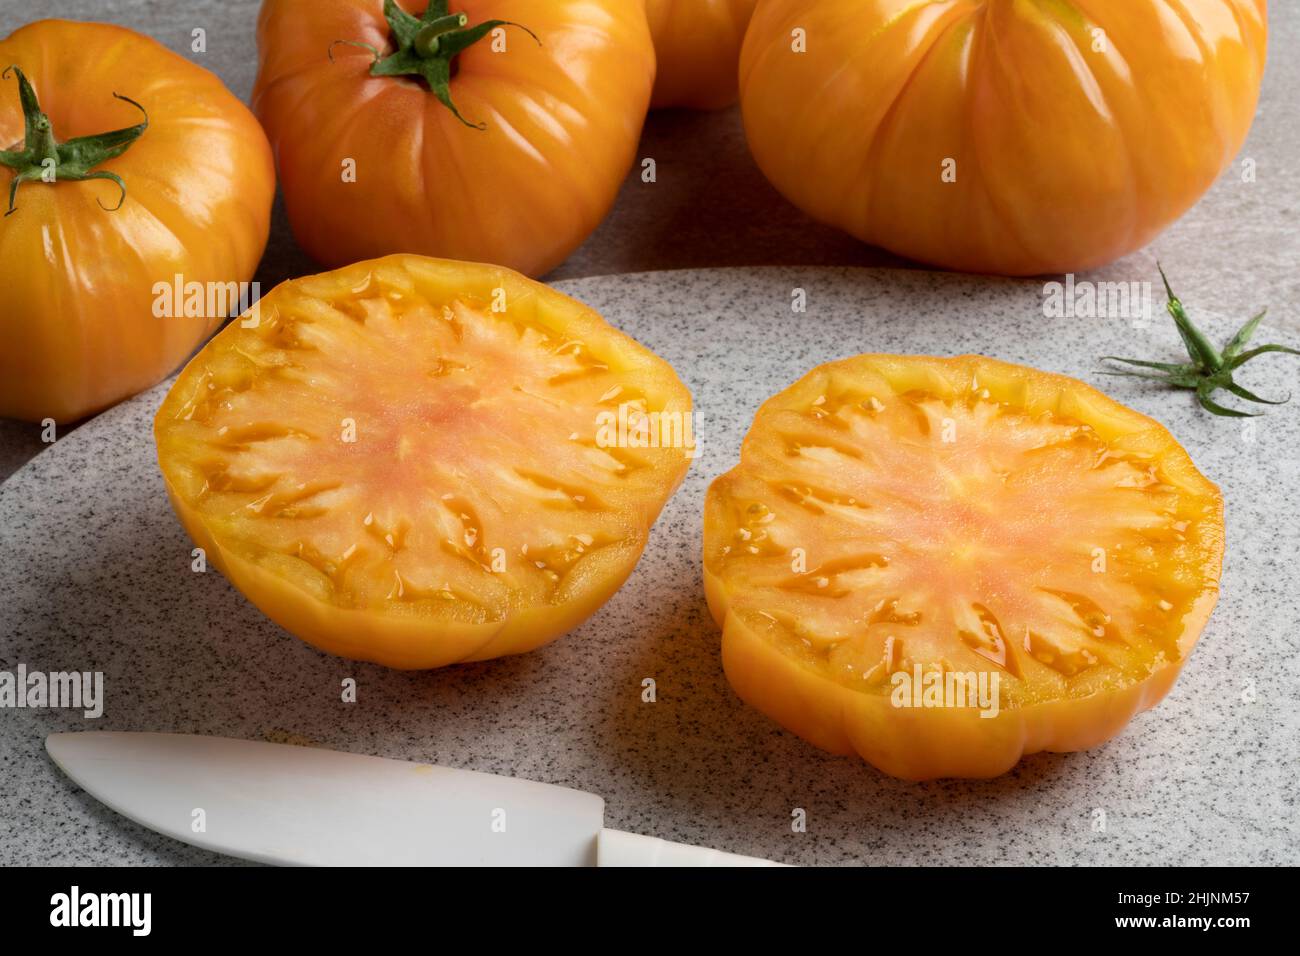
(417, 462)
(468, 140)
(899, 524)
(128, 170)
(1002, 136)
(697, 45)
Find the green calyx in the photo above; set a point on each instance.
(1210, 369)
(428, 45)
(42, 158)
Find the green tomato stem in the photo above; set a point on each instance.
(42, 158)
(427, 46)
(426, 41)
(1209, 370)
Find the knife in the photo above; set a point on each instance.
(303, 806)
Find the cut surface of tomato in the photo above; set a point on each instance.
(895, 517)
(402, 461)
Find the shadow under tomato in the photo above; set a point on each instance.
(699, 754)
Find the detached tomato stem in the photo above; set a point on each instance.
(43, 158)
(1209, 369)
(427, 46)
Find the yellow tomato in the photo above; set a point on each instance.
(1002, 136)
(697, 45)
(109, 209)
(944, 564)
(417, 462)
(405, 128)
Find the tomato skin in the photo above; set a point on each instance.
(844, 716)
(1065, 158)
(563, 119)
(910, 743)
(697, 47)
(78, 330)
(281, 408)
(361, 635)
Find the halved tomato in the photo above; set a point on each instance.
(944, 564)
(415, 462)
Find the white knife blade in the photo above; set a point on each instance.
(289, 805)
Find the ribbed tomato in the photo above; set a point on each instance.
(1002, 136)
(697, 45)
(129, 172)
(417, 462)
(499, 132)
(944, 564)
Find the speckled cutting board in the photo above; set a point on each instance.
(95, 575)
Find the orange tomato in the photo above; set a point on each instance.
(1001, 136)
(697, 45)
(944, 564)
(417, 462)
(491, 146)
(100, 224)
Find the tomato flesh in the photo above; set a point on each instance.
(403, 450)
(964, 515)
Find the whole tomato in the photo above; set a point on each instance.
(130, 173)
(1004, 136)
(697, 43)
(499, 131)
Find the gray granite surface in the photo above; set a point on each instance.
(711, 207)
(94, 573)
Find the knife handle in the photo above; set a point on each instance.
(617, 848)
